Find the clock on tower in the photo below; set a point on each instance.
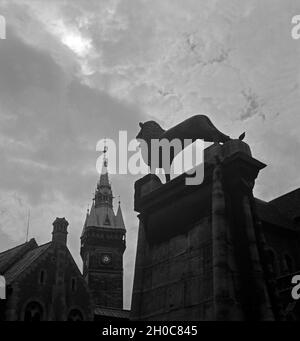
(106, 259)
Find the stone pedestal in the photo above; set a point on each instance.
(197, 255)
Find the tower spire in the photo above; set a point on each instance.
(103, 194)
(104, 181)
(104, 238)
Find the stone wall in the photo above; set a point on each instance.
(177, 283)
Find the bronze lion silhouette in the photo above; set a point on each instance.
(193, 128)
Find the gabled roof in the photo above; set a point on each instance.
(269, 213)
(289, 203)
(31, 256)
(11, 256)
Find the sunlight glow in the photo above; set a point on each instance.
(76, 43)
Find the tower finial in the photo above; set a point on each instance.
(105, 161)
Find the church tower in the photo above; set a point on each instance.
(103, 243)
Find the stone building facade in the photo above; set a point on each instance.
(213, 251)
(43, 282)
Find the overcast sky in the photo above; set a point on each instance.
(73, 72)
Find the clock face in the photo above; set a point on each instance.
(105, 259)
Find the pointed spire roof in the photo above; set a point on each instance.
(102, 213)
(103, 194)
(119, 218)
(92, 218)
(104, 181)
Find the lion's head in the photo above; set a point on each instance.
(149, 130)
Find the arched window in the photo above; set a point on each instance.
(75, 315)
(288, 263)
(33, 312)
(272, 261)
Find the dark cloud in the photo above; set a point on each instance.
(54, 115)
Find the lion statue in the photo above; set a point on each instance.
(193, 128)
